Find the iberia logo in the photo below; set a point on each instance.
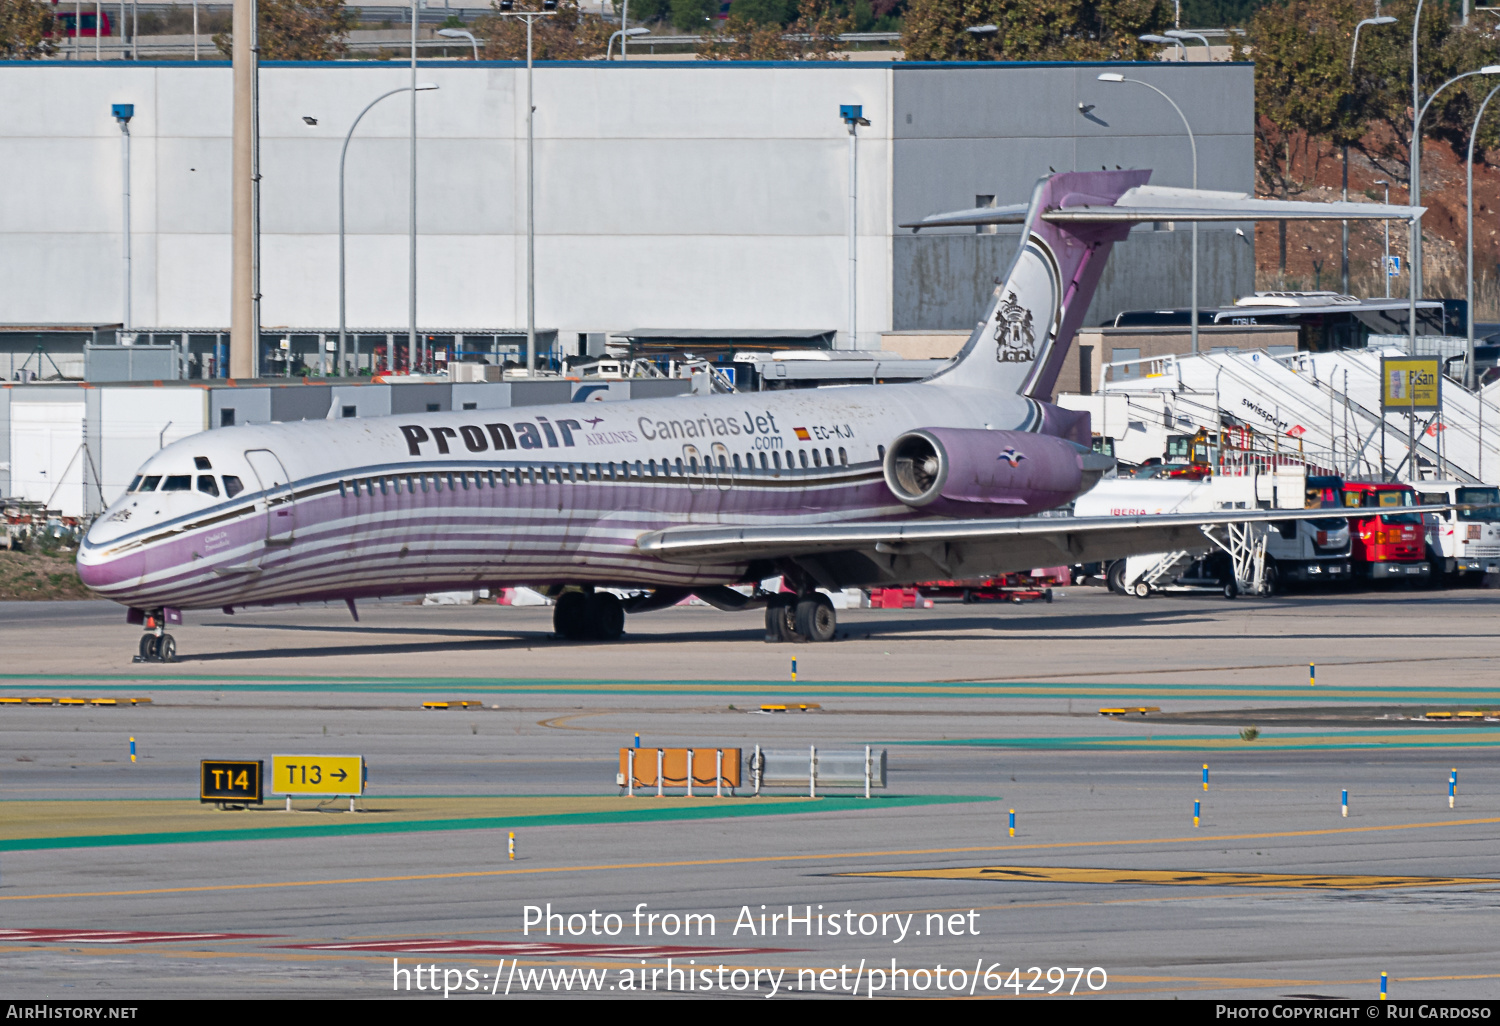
(802, 435)
(1009, 455)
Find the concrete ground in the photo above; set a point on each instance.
(115, 882)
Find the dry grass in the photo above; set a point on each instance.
(40, 575)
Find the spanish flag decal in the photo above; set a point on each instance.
(802, 435)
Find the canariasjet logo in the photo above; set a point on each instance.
(1011, 456)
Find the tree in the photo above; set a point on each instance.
(813, 36)
(568, 35)
(24, 27)
(1033, 30)
(297, 30)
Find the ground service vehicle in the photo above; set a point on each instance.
(1463, 541)
(1387, 543)
(1310, 551)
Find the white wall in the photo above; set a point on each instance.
(46, 462)
(135, 423)
(707, 196)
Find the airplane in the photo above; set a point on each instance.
(858, 486)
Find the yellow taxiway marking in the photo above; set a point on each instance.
(1070, 874)
(755, 859)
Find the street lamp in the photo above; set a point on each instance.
(853, 116)
(507, 10)
(1344, 257)
(1165, 41)
(421, 88)
(1414, 190)
(622, 35)
(1184, 34)
(453, 33)
(122, 113)
(1110, 76)
(1385, 266)
(1469, 376)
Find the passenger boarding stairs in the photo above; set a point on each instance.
(1317, 409)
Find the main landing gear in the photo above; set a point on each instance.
(157, 646)
(800, 618)
(592, 616)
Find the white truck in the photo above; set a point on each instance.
(1462, 542)
(1258, 558)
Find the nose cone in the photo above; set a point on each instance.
(101, 565)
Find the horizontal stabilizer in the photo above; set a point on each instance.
(1159, 203)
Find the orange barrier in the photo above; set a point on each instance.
(638, 768)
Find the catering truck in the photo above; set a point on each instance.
(1387, 543)
(1309, 551)
(1462, 543)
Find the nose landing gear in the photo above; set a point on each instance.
(157, 646)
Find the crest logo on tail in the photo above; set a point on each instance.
(1015, 335)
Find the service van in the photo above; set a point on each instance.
(1462, 542)
(1387, 543)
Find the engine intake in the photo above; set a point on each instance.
(970, 473)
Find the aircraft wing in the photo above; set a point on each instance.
(1162, 203)
(910, 550)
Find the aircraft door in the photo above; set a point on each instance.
(722, 470)
(281, 510)
(695, 466)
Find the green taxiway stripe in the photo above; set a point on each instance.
(736, 808)
(1111, 692)
(1320, 741)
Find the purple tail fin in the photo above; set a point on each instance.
(1026, 333)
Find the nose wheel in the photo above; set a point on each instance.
(157, 646)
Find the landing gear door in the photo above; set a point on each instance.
(281, 511)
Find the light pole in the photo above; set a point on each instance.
(1166, 41)
(853, 116)
(1469, 376)
(1110, 76)
(122, 113)
(1414, 228)
(1183, 34)
(1344, 257)
(421, 87)
(413, 354)
(549, 8)
(453, 33)
(1385, 266)
(622, 35)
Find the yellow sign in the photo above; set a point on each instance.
(318, 774)
(1069, 874)
(1410, 382)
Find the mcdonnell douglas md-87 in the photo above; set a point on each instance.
(828, 488)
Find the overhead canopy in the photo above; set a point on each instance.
(1160, 203)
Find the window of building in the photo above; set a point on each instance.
(432, 407)
(226, 417)
(349, 411)
(471, 406)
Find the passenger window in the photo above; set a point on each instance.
(232, 486)
(843, 457)
(201, 463)
(679, 465)
(776, 460)
(817, 460)
(134, 484)
(692, 464)
(343, 490)
(762, 461)
(828, 455)
(207, 485)
(880, 451)
(451, 485)
(736, 461)
(652, 465)
(178, 483)
(465, 479)
(384, 485)
(424, 480)
(802, 455)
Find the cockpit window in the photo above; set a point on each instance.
(149, 485)
(178, 483)
(134, 484)
(201, 463)
(207, 485)
(232, 486)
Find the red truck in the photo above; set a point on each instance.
(1387, 543)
